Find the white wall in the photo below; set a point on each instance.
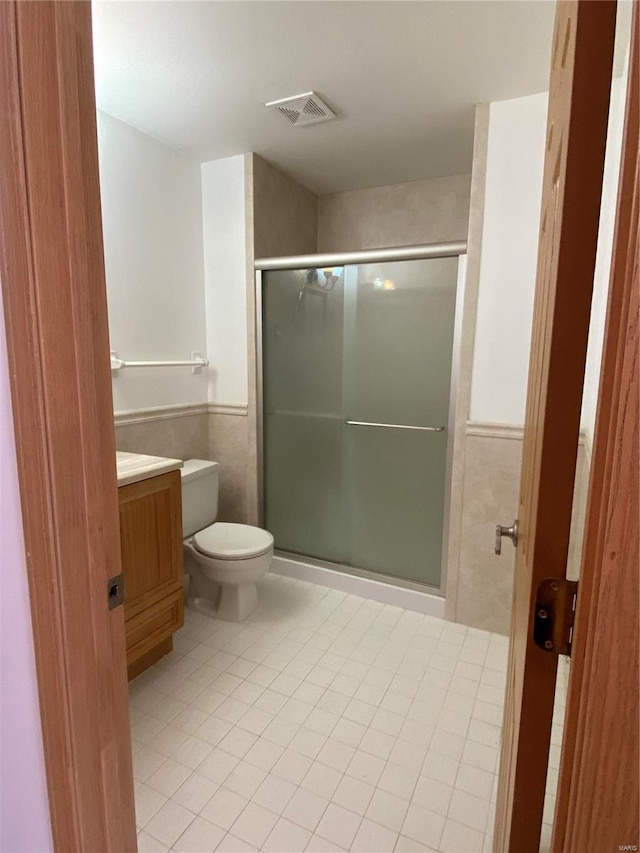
(152, 218)
(603, 255)
(515, 159)
(24, 805)
(223, 216)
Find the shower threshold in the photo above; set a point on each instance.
(385, 589)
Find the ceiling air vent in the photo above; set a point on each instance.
(303, 109)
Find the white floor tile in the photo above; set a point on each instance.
(398, 780)
(280, 731)
(218, 765)
(238, 742)
(321, 721)
(432, 795)
(201, 837)
(366, 767)
(264, 754)
(440, 768)
(168, 824)
(245, 779)
(254, 824)
(321, 779)
(286, 837)
(475, 781)
(148, 844)
(292, 766)
(325, 722)
(469, 810)
(346, 731)
(410, 845)
(307, 742)
(457, 838)
(377, 743)
(223, 808)
(148, 802)
(195, 792)
(423, 825)
(408, 755)
(373, 838)
(339, 825)
(317, 844)
(231, 844)
(145, 762)
(336, 754)
(387, 809)
(274, 794)
(446, 743)
(484, 733)
(168, 777)
(306, 808)
(481, 756)
(353, 794)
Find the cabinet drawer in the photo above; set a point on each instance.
(147, 629)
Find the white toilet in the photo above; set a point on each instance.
(223, 560)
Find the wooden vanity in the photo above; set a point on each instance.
(149, 493)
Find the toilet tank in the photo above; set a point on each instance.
(199, 495)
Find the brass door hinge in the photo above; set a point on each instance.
(555, 615)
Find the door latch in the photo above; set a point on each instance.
(115, 591)
(555, 615)
(509, 532)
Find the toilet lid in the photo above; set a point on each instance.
(232, 541)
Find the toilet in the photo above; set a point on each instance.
(223, 560)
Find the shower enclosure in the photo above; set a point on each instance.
(356, 361)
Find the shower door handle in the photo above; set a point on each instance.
(396, 426)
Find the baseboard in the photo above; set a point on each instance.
(385, 593)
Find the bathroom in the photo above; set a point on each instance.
(356, 706)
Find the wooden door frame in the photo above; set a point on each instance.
(52, 273)
(575, 141)
(601, 721)
(55, 310)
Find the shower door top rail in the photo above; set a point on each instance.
(368, 256)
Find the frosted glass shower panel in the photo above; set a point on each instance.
(303, 424)
(357, 376)
(399, 326)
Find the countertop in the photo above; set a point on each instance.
(133, 467)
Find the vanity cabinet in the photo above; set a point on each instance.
(151, 546)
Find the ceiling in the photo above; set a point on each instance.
(403, 78)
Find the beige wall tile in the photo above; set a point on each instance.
(465, 365)
(400, 215)
(228, 445)
(285, 214)
(490, 496)
(184, 437)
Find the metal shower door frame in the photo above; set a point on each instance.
(406, 253)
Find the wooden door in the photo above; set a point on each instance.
(52, 271)
(580, 82)
(599, 785)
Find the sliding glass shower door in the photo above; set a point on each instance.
(357, 376)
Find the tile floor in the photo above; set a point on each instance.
(326, 722)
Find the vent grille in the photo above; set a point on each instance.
(303, 109)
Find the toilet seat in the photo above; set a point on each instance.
(226, 541)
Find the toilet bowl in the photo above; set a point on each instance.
(223, 560)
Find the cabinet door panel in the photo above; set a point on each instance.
(151, 540)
